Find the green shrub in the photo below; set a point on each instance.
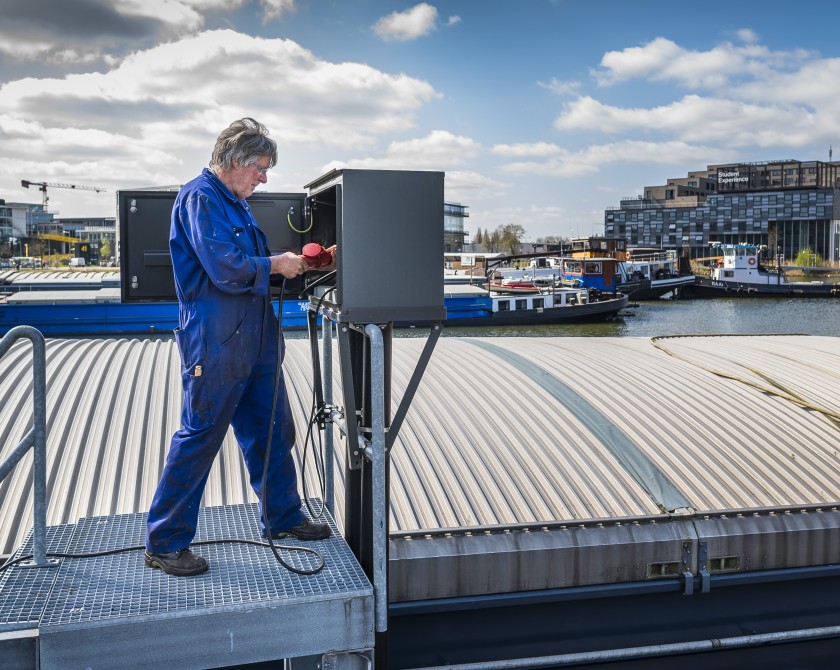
(806, 257)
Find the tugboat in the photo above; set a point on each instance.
(741, 274)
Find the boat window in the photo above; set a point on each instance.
(728, 273)
(593, 268)
(504, 305)
(521, 303)
(572, 266)
(539, 303)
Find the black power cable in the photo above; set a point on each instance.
(277, 376)
(121, 550)
(317, 414)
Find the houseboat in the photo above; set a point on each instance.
(659, 271)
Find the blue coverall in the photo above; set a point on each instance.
(227, 337)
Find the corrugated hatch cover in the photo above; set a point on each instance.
(556, 461)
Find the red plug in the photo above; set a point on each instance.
(316, 256)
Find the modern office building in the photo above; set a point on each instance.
(21, 219)
(6, 223)
(23, 224)
(98, 234)
(454, 214)
(19, 223)
(786, 205)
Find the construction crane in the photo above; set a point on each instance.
(42, 186)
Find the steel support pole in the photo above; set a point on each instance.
(380, 497)
(329, 442)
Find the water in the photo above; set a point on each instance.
(716, 316)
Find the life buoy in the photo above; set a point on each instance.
(751, 261)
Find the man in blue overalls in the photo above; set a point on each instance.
(228, 340)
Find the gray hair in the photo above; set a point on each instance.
(243, 141)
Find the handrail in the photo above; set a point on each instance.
(36, 438)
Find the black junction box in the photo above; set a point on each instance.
(144, 221)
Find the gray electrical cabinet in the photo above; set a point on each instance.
(388, 228)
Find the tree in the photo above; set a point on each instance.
(493, 241)
(105, 250)
(512, 235)
(37, 247)
(477, 238)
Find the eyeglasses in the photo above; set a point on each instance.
(261, 170)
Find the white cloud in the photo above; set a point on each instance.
(408, 25)
(694, 118)
(81, 31)
(560, 87)
(231, 72)
(438, 147)
(274, 9)
(523, 149)
(636, 62)
(664, 60)
(179, 14)
(813, 85)
(466, 186)
(747, 35)
(153, 119)
(589, 160)
(37, 28)
(439, 150)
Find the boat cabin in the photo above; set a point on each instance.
(597, 247)
(546, 262)
(599, 273)
(653, 264)
(540, 301)
(741, 263)
(741, 256)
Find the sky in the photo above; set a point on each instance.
(542, 113)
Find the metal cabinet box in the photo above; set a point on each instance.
(388, 228)
(143, 229)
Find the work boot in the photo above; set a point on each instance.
(181, 563)
(305, 530)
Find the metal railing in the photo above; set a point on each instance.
(36, 438)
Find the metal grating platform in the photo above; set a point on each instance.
(112, 611)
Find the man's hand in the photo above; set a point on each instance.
(289, 265)
(331, 265)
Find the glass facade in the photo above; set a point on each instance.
(787, 221)
(5, 222)
(26, 222)
(453, 226)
